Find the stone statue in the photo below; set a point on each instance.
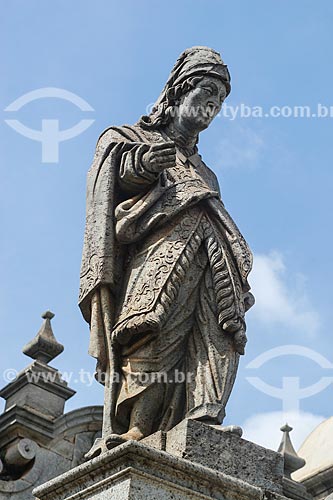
(164, 270)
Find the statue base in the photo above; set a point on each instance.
(192, 461)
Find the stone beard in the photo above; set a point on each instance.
(164, 269)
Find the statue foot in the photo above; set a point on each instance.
(102, 445)
(97, 449)
(114, 440)
(133, 434)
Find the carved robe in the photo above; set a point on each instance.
(177, 268)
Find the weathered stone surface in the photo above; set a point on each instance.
(137, 472)
(62, 446)
(88, 418)
(224, 452)
(295, 490)
(46, 466)
(21, 453)
(191, 461)
(18, 422)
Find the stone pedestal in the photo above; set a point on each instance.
(192, 461)
(224, 452)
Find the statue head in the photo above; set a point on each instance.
(194, 92)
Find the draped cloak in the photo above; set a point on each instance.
(130, 208)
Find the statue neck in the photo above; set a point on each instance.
(184, 140)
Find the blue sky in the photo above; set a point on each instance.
(275, 173)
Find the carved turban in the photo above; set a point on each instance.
(196, 61)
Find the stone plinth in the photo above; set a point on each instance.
(197, 466)
(224, 452)
(136, 471)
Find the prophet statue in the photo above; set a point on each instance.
(164, 277)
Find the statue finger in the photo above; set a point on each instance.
(167, 159)
(163, 157)
(163, 152)
(163, 145)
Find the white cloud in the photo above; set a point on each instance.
(276, 301)
(264, 428)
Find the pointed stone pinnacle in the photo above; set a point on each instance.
(286, 428)
(292, 462)
(48, 315)
(44, 347)
(286, 445)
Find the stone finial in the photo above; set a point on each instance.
(292, 461)
(44, 347)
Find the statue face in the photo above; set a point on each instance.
(200, 105)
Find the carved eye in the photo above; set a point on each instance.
(223, 97)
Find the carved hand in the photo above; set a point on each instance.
(160, 156)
